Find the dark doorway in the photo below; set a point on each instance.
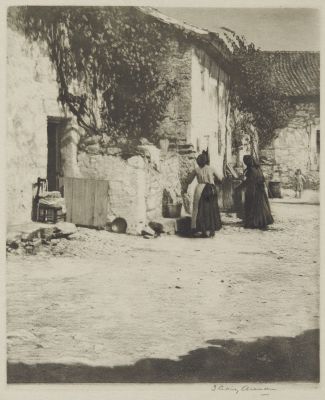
(318, 141)
(54, 127)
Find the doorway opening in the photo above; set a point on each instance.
(54, 133)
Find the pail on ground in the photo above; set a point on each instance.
(275, 189)
(119, 225)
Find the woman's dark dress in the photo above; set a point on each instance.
(208, 216)
(205, 213)
(257, 208)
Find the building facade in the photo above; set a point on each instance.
(44, 140)
(297, 146)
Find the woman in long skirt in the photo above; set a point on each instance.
(205, 214)
(257, 212)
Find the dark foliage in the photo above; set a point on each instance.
(108, 65)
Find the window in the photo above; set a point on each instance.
(318, 141)
(219, 140)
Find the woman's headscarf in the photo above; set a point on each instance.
(249, 161)
(202, 160)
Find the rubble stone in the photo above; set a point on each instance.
(147, 231)
(157, 227)
(63, 229)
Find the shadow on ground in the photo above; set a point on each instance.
(269, 359)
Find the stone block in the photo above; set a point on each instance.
(112, 151)
(26, 237)
(136, 162)
(147, 231)
(64, 229)
(93, 149)
(13, 244)
(168, 224)
(92, 140)
(157, 227)
(13, 237)
(47, 233)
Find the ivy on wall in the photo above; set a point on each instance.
(108, 65)
(253, 93)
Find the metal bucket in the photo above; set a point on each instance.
(275, 189)
(174, 210)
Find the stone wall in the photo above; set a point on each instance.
(139, 185)
(295, 147)
(176, 125)
(198, 115)
(136, 184)
(163, 185)
(127, 184)
(31, 97)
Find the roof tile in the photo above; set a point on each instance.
(295, 73)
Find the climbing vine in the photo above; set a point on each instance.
(253, 92)
(108, 65)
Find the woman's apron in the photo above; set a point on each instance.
(197, 195)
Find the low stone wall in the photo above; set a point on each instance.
(127, 183)
(136, 184)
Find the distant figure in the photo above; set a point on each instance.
(299, 183)
(257, 212)
(205, 214)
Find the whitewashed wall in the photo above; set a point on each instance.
(31, 97)
(208, 109)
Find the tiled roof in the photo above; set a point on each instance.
(295, 73)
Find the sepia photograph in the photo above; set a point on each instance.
(162, 195)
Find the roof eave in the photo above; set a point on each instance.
(210, 41)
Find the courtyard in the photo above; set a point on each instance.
(135, 308)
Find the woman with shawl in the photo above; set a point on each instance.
(205, 214)
(257, 212)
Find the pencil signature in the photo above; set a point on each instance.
(244, 388)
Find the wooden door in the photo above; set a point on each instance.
(86, 201)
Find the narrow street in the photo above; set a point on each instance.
(103, 299)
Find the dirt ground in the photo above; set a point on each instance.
(108, 299)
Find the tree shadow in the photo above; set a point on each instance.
(268, 359)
